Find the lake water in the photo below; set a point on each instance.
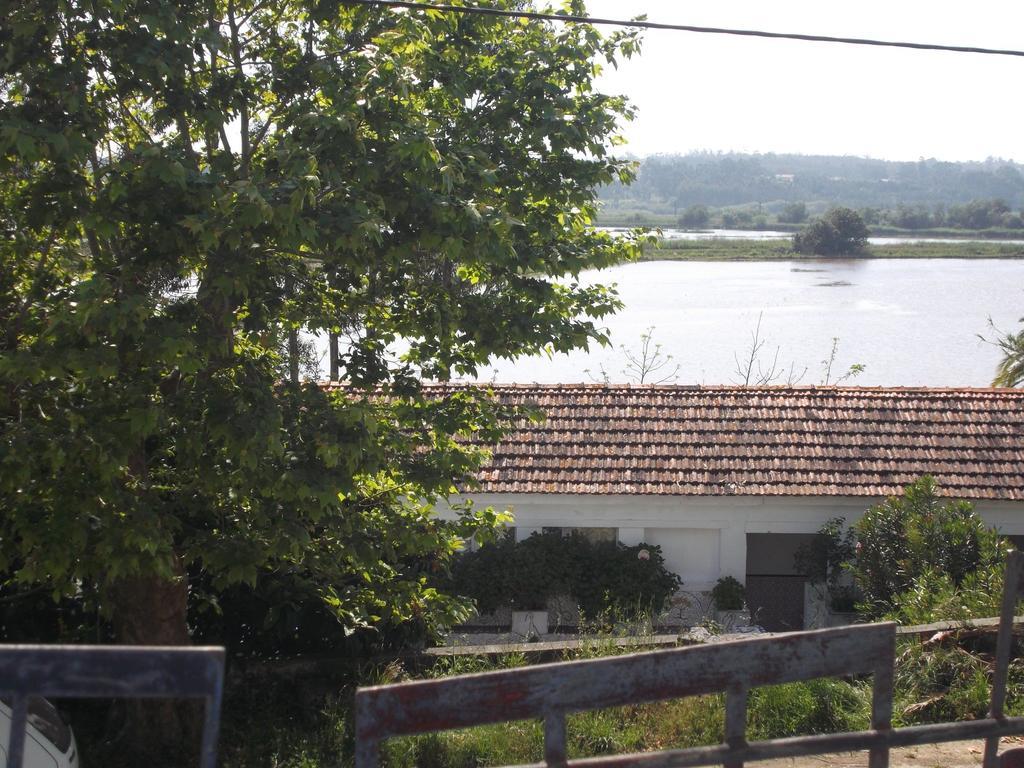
(911, 322)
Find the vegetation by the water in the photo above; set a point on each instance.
(990, 250)
(784, 191)
(634, 218)
(839, 232)
(766, 184)
(734, 249)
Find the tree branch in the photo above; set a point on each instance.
(236, 53)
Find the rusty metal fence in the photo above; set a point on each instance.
(75, 672)
(554, 691)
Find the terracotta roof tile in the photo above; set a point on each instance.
(801, 441)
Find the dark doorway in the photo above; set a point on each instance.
(776, 602)
(775, 591)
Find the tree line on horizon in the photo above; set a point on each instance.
(669, 184)
(991, 214)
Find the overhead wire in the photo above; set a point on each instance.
(643, 24)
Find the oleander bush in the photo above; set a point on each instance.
(920, 536)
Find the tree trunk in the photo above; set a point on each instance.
(148, 610)
(332, 354)
(293, 355)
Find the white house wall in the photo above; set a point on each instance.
(703, 538)
(692, 553)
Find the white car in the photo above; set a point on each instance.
(49, 742)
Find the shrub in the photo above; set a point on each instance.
(823, 705)
(934, 596)
(840, 231)
(905, 537)
(598, 576)
(729, 594)
(793, 213)
(627, 579)
(939, 684)
(695, 216)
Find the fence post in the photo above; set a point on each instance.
(736, 722)
(881, 703)
(554, 739)
(1004, 644)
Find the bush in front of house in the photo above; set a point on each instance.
(934, 596)
(919, 535)
(729, 594)
(915, 558)
(597, 575)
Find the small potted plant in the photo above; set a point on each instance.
(730, 596)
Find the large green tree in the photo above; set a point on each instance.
(187, 186)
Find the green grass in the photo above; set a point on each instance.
(278, 725)
(637, 728)
(719, 250)
(987, 250)
(818, 706)
(939, 685)
(992, 233)
(281, 724)
(780, 250)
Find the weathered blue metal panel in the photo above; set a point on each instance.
(71, 672)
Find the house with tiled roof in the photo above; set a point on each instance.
(730, 481)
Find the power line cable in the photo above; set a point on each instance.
(537, 16)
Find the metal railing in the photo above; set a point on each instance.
(76, 672)
(553, 691)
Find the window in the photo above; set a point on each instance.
(592, 534)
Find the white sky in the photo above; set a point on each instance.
(712, 92)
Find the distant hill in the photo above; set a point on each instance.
(668, 184)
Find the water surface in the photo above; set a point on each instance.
(911, 322)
